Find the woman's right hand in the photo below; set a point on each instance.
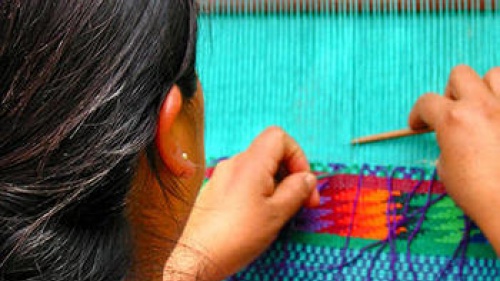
(243, 207)
(467, 125)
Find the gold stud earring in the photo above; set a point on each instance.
(184, 156)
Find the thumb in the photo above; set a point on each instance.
(292, 193)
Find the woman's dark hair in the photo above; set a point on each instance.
(81, 83)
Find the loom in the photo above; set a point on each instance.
(328, 71)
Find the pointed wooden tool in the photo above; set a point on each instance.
(390, 135)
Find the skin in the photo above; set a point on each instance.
(156, 223)
(243, 207)
(214, 243)
(467, 125)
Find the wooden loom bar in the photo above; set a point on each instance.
(270, 6)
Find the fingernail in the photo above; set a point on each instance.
(310, 180)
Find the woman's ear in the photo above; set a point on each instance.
(167, 139)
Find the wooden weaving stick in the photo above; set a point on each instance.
(390, 135)
(270, 6)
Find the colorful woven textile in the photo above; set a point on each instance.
(327, 77)
(378, 223)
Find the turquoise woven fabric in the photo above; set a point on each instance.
(327, 78)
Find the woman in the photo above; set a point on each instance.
(101, 150)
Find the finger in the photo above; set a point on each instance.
(314, 200)
(492, 80)
(292, 193)
(428, 111)
(274, 147)
(465, 83)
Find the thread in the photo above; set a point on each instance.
(354, 212)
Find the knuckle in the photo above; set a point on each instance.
(471, 114)
(483, 106)
(467, 115)
(276, 131)
(489, 110)
(460, 70)
(234, 167)
(223, 163)
(226, 165)
(424, 99)
(238, 161)
(455, 116)
(492, 74)
(425, 96)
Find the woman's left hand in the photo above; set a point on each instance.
(243, 207)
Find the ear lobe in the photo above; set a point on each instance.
(166, 141)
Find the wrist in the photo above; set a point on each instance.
(190, 263)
